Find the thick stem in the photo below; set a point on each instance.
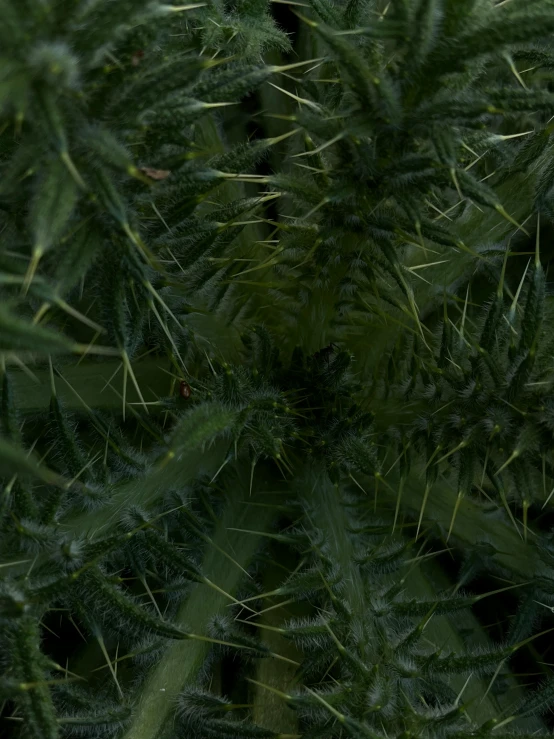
(144, 492)
(268, 708)
(474, 524)
(444, 632)
(182, 661)
(330, 516)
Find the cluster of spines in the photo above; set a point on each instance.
(382, 677)
(88, 181)
(488, 381)
(418, 162)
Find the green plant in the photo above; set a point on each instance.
(277, 422)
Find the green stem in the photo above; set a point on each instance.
(327, 513)
(144, 492)
(474, 524)
(268, 709)
(182, 661)
(444, 631)
(96, 384)
(423, 581)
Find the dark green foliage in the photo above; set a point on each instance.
(275, 323)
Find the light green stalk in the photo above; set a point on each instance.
(182, 661)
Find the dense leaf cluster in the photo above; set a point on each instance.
(251, 375)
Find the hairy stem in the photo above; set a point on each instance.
(182, 662)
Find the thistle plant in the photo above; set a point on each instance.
(276, 421)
